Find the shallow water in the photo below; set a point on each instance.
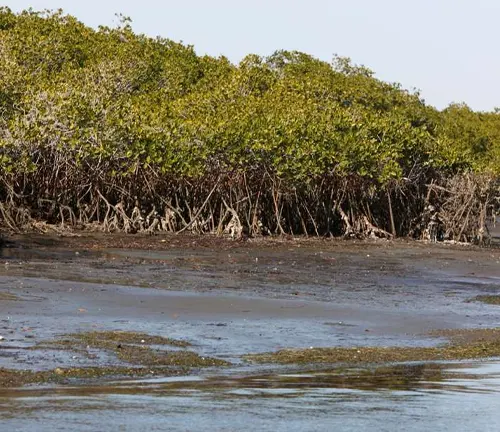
(249, 299)
(449, 398)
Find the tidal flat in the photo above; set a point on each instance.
(128, 318)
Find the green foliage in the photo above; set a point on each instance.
(112, 101)
(469, 139)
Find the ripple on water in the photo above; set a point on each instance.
(382, 398)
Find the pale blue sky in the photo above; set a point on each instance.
(446, 48)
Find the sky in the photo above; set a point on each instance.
(447, 49)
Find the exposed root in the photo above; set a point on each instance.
(461, 210)
(456, 209)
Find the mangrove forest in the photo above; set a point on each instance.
(106, 129)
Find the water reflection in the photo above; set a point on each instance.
(417, 394)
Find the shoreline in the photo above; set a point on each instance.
(161, 241)
(232, 299)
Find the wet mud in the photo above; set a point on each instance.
(185, 315)
(488, 299)
(464, 344)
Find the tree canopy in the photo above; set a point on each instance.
(123, 115)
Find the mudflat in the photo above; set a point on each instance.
(231, 299)
(106, 332)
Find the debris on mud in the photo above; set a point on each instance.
(134, 348)
(11, 378)
(464, 344)
(474, 336)
(101, 338)
(488, 299)
(5, 296)
(138, 355)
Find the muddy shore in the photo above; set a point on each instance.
(224, 300)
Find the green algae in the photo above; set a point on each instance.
(100, 338)
(488, 299)
(10, 378)
(464, 344)
(8, 297)
(134, 348)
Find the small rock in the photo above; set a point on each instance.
(59, 371)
